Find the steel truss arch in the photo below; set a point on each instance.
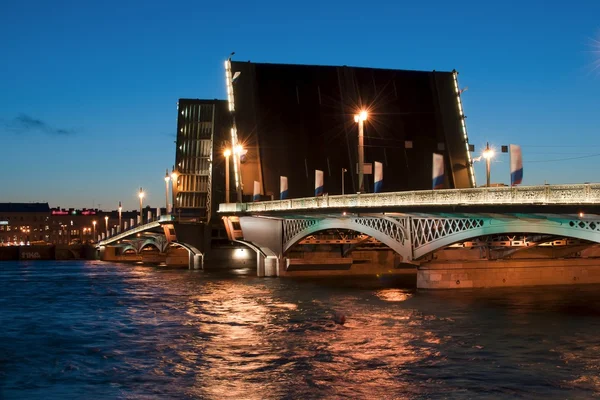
(425, 242)
(390, 231)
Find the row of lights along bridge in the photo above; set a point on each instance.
(360, 119)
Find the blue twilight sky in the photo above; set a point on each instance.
(88, 90)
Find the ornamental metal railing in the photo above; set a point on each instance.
(135, 229)
(587, 193)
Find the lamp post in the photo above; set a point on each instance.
(141, 196)
(120, 211)
(488, 153)
(106, 221)
(238, 149)
(230, 79)
(94, 235)
(167, 179)
(360, 118)
(344, 170)
(227, 153)
(174, 185)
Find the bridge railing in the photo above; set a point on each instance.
(587, 193)
(154, 222)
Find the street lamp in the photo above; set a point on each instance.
(94, 235)
(227, 153)
(360, 118)
(488, 153)
(141, 196)
(344, 170)
(106, 220)
(174, 186)
(120, 211)
(167, 179)
(238, 150)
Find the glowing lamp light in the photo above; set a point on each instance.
(141, 195)
(488, 153)
(238, 149)
(239, 253)
(362, 116)
(227, 152)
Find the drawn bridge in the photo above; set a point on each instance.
(415, 224)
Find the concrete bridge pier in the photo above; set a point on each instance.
(196, 261)
(272, 266)
(267, 265)
(100, 251)
(260, 264)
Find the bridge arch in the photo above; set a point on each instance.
(576, 229)
(149, 244)
(196, 257)
(390, 231)
(127, 248)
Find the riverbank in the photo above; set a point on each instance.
(48, 252)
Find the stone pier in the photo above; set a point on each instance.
(504, 273)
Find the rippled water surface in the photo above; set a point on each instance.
(97, 330)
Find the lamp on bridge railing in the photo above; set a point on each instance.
(94, 225)
(141, 196)
(360, 118)
(120, 211)
(239, 152)
(167, 179)
(106, 220)
(174, 177)
(488, 154)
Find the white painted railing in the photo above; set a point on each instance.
(587, 193)
(136, 229)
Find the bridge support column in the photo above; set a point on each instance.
(267, 265)
(100, 251)
(196, 261)
(260, 264)
(272, 266)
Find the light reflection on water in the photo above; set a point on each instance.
(96, 330)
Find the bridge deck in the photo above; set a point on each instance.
(135, 230)
(575, 194)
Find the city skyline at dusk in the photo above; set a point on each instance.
(88, 103)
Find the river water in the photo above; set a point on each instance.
(95, 330)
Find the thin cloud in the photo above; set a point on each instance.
(24, 123)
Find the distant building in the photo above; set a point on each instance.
(202, 127)
(24, 222)
(294, 119)
(68, 226)
(31, 223)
